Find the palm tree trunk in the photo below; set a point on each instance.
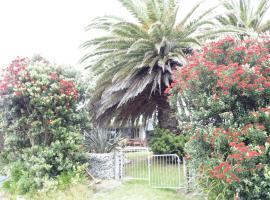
(166, 115)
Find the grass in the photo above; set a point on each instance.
(79, 191)
(162, 172)
(140, 190)
(129, 190)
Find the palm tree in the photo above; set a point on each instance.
(134, 61)
(243, 14)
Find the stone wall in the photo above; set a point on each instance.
(105, 166)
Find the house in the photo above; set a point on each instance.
(136, 135)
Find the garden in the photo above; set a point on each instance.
(202, 83)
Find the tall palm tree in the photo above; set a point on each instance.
(134, 61)
(243, 14)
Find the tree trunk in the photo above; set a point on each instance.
(166, 115)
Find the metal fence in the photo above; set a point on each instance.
(165, 171)
(135, 163)
(161, 171)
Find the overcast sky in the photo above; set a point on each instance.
(54, 28)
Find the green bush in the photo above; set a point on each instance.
(223, 93)
(43, 124)
(165, 142)
(100, 140)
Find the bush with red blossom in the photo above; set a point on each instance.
(223, 95)
(42, 126)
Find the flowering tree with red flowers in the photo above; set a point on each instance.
(42, 123)
(222, 97)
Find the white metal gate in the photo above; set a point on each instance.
(165, 171)
(135, 163)
(161, 171)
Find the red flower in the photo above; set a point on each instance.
(229, 180)
(235, 177)
(54, 76)
(17, 93)
(252, 154)
(266, 84)
(236, 156)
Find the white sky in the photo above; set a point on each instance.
(54, 28)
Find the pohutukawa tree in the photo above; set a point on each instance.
(42, 123)
(134, 61)
(224, 93)
(244, 14)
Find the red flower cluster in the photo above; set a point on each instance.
(234, 163)
(225, 171)
(15, 76)
(68, 88)
(9, 78)
(243, 151)
(233, 67)
(230, 135)
(54, 76)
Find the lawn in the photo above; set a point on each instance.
(129, 190)
(164, 171)
(140, 190)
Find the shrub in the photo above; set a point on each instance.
(42, 123)
(102, 140)
(224, 93)
(165, 142)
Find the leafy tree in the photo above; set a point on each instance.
(42, 123)
(243, 14)
(225, 107)
(134, 61)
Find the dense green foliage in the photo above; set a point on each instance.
(165, 142)
(42, 124)
(224, 96)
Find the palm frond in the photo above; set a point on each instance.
(103, 23)
(127, 29)
(137, 9)
(243, 14)
(265, 27)
(134, 61)
(190, 13)
(228, 29)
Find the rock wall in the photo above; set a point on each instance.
(105, 166)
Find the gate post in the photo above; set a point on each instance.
(118, 164)
(121, 164)
(186, 174)
(149, 169)
(179, 171)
